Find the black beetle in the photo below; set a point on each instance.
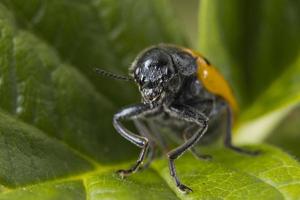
(179, 88)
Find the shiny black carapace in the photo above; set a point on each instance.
(180, 89)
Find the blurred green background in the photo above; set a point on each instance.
(186, 15)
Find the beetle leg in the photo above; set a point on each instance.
(151, 155)
(228, 136)
(140, 141)
(188, 114)
(196, 154)
(143, 130)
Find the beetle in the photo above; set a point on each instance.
(181, 89)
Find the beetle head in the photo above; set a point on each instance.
(155, 74)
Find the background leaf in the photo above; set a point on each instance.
(94, 33)
(286, 133)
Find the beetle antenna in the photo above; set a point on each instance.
(112, 75)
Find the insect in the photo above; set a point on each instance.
(181, 89)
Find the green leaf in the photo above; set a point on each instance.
(271, 175)
(92, 33)
(29, 156)
(67, 190)
(56, 136)
(145, 185)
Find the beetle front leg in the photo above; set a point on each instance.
(188, 114)
(140, 141)
(228, 136)
(144, 131)
(186, 135)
